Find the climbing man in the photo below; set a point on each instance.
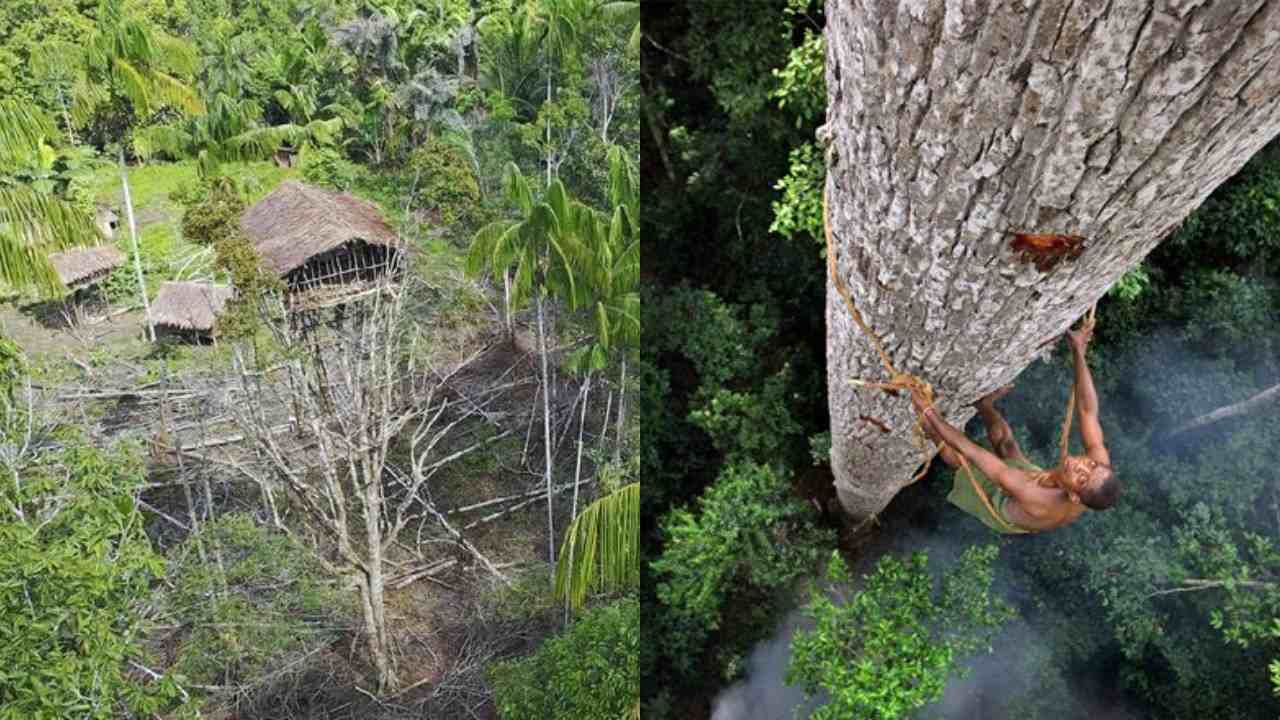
(1026, 498)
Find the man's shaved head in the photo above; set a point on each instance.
(1102, 489)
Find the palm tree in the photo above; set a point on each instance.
(541, 246)
(559, 35)
(608, 263)
(230, 131)
(130, 70)
(32, 223)
(509, 58)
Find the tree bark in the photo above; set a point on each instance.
(952, 124)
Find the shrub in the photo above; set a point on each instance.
(75, 565)
(326, 166)
(891, 648)
(748, 536)
(591, 671)
(252, 599)
(445, 181)
(215, 217)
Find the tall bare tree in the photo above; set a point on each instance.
(950, 125)
(356, 395)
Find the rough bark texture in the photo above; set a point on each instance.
(951, 124)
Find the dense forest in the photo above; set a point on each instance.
(318, 345)
(762, 598)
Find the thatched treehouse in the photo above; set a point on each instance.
(80, 270)
(189, 310)
(328, 247)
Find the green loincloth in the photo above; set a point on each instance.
(964, 497)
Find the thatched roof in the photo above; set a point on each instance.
(189, 305)
(297, 222)
(82, 266)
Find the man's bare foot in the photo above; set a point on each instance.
(991, 397)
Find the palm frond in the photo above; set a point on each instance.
(260, 142)
(170, 91)
(604, 542)
(175, 55)
(517, 188)
(622, 12)
(172, 140)
(557, 199)
(480, 257)
(32, 225)
(86, 98)
(131, 83)
(22, 127)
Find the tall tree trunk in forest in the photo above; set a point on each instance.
(950, 125)
(546, 436)
(137, 253)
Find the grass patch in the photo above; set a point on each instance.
(151, 184)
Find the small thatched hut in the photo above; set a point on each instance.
(79, 268)
(333, 246)
(188, 310)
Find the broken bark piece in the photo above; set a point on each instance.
(884, 427)
(1046, 250)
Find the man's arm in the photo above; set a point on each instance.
(1087, 398)
(990, 465)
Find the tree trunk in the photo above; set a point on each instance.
(548, 125)
(371, 604)
(546, 435)
(137, 254)
(622, 413)
(376, 619)
(506, 303)
(951, 126)
(577, 477)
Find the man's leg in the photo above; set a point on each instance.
(999, 434)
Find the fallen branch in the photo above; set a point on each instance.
(162, 514)
(1243, 407)
(1195, 584)
(534, 496)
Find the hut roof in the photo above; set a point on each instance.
(189, 305)
(297, 222)
(80, 266)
